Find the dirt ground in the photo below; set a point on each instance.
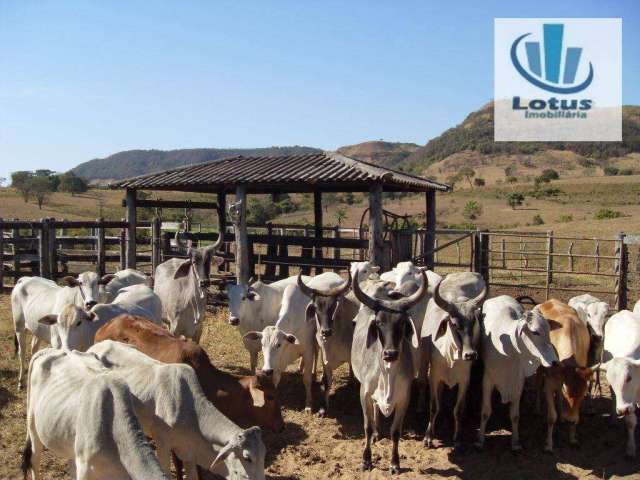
(312, 447)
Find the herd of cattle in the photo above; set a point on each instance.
(116, 377)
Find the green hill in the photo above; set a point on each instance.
(386, 154)
(139, 162)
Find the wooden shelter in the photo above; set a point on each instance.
(306, 173)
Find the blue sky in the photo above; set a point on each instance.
(85, 79)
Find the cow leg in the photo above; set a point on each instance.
(422, 384)
(487, 389)
(631, 421)
(35, 344)
(197, 334)
(539, 385)
(191, 470)
(514, 413)
(301, 365)
(307, 379)
(458, 411)
(164, 455)
(613, 415)
(552, 414)
(22, 354)
(396, 432)
(327, 377)
(367, 413)
(434, 411)
(253, 360)
(36, 451)
(377, 427)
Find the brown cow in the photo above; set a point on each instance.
(247, 401)
(568, 379)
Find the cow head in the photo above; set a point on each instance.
(533, 335)
(73, 327)
(365, 270)
(463, 320)
(596, 314)
(324, 304)
(243, 455)
(623, 374)
(88, 284)
(198, 262)
(391, 323)
(265, 409)
(275, 345)
(575, 385)
(244, 300)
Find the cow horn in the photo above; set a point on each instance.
(442, 303)
(330, 292)
(219, 242)
(365, 299)
(406, 303)
(481, 296)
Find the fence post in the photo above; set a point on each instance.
(549, 263)
(1, 256)
(484, 256)
(100, 247)
(336, 250)
(597, 252)
(270, 268)
(476, 251)
(53, 251)
(503, 252)
(570, 253)
(43, 247)
(123, 247)
(156, 226)
(16, 259)
(622, 267)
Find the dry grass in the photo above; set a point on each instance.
(312, 447)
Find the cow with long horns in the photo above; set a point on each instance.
(451, 332)
(182, 286)
(382, 360)
(333, 315)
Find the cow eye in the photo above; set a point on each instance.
(78, 323)
(534, 332)
(628, 379)
(277, 345)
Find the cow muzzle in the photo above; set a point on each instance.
(235, 321)
(470, 356)
(327, 332)
(390, 355)
(268, 372)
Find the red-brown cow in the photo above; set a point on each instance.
(247, 401)
(568, 380)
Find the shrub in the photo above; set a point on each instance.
(549, 174)
(40, 188)
(72, 184)
(607, 213)
(565, 218)
(512, 179)
(611, 171)
(545, 192)
(537, 220)
(626, 171)
(472, 210)
(515, 199)
(479, 182)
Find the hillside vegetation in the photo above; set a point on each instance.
(386, 154)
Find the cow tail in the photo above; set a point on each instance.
(26, 458)
(526, 299)
(16, 346)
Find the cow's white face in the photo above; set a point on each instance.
(276, 346)
(88, 285)
(623, 374)
(597, 314)
(534, 335)
(364, 270)
(245, 301)
(243, 456)
(72, 327)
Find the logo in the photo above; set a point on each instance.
(553, 53)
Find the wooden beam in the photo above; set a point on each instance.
(376, 233)
(317, 223)
(173, 204)
(131, 228)
(430, 236)
(222, 211)
(239, 218)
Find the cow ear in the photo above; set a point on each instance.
(553, 325)
(252, 336)
(252, 294)
(372, 334)
(49, 319)
(183, 269)
(442, 329)
(106, 279)
(411, 333)
(291, 339)
(257, 395)
(310, 312)
(70, 281)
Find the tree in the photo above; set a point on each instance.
(349, 199)
(515, 199)
(472, 210)
(72, 184)
(40, 188)
(20, 181)
(341, 214)
(453, 179)
(259, 213)
(468, 173)
(479, 182)
(549, 174)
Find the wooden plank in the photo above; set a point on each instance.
(549, 266)
(240, 227)
(622, 267)
(155, 244)
(317, 223)
(131, 228)
(101, 249)
(123, 248)
(376, 228)
(1, 256)
(43, 249)
(173, 204)
(272, 250)
(430, 234)
(302, 261)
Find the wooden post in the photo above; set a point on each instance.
(100, 248)
(1, 257)
(336, 250)
(270, 268)
(43, 248)
(131, 228)
(503, 255)
(376, 232)
(430, 234)
(317, 223)
(484, 256)
(238, 213)
(156, 245)
(283, 251)
(53, 251)
(123, 247)
(622, 267)
(549, 263)
(222, 212)
(597, 253)
(16, 259)
(570, 253)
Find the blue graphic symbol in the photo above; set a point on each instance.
(552, 35)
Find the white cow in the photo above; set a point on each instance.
(182, 285)
(175, 412)
(592, 311)
(122, 279)
(364, 270)
(622, 366)
(407, 271)
(255, 306)
(76, 328)
(514, 344)
(35, 297)
(450, 333)
(292, 336)
(636, 308)
(79, 411)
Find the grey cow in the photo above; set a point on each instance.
(382, 361)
